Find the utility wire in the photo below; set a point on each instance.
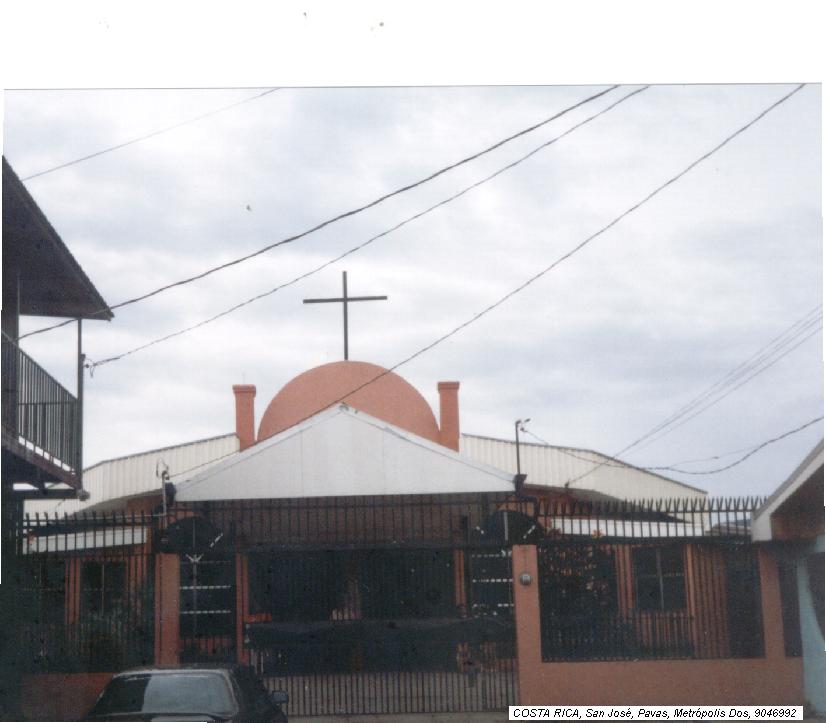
(339, 217)
(745, 369)
(745, 456)
(607, 461)
(148, 135)
(556, 263)
(760, 362)
(369, 241)
(613, 462)
(734, 388)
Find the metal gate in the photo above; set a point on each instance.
(207, 607)
(384, 631)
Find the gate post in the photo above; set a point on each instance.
(526, 615)
(167, 608)
(773, 643)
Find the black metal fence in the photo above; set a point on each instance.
(392, 604)
(366, 521)
(85, 590)
(37, 408)
(647, 599)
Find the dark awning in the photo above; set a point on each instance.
(52, 283)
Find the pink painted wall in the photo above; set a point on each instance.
(771, 680)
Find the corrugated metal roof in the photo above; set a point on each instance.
(545, 465)
(555, 466)
(137, 473)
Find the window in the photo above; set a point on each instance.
(102, 586)
(46, 588)
(659, 573)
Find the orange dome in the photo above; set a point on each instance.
(390, 398)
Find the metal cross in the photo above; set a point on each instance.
(344, 300)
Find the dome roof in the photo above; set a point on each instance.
(390, 398)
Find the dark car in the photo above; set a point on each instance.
(231, 693)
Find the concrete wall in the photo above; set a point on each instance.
(771, 680)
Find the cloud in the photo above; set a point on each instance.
(597, 352)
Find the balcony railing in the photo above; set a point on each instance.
(37, 410)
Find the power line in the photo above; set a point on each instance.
(561, 259)
(607, 461)
(745, 456)
(346, 214)
(734, 388)
(613, 462)
(751, 369)
(148, 135)
(369, 241)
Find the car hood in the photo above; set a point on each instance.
(159, 717)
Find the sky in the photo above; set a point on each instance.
(597, 352)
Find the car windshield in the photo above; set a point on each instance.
(184, 692)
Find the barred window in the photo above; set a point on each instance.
(659, 574)
(102, 586)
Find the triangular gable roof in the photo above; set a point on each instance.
(762, 525)
(342, 452)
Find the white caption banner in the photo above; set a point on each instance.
(656, 712)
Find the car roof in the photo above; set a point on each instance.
(190, 668)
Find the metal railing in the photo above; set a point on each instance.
(37, 409)
(644, 599)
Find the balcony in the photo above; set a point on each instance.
(40, 420)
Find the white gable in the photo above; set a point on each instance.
(342, 452)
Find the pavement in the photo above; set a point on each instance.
(409, 718)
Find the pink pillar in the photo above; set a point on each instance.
(245, 414)
(167, 608)
(526, 614)
(773, 643)
(449, 414)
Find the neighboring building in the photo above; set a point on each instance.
(792, 522)
(42, 422)
(357, 557)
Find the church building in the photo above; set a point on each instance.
(369, 558)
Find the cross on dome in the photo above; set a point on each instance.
(344, 299)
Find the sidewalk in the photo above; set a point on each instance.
(409, 718)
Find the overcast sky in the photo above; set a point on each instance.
(597, 352)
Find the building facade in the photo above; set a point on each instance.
(42, 421)
(355, 555)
